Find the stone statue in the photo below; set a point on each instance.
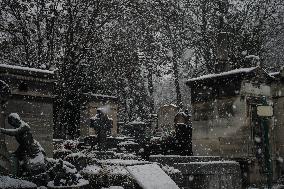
(102, 125)
(29, 154)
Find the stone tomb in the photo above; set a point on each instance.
(203, 172)
(32, 98)
(225, 122)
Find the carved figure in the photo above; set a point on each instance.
(102, 124)
(29, 154)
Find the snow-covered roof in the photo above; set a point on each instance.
(26, 69)
(31, 73)
(90, 95)
(231, 72)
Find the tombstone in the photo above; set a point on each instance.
(183, 128)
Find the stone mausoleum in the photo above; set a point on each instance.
(225, 120)
(33, 96)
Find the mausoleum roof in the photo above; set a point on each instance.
(26, 71)
(222, 74)
(228, 74)
(92, 96)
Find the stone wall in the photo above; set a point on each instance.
(222, 126)
(204, 172)
(278, 93)
(226, 134)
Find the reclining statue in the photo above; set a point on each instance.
(29, 154)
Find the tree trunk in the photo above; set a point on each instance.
(69, 99)
(151, 88)
(176, 82)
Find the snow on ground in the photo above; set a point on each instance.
(151, 176)
(116, 170)
(76, 155)
(65, 163)
(81, 182)
(8, 183)
(92, 169)
(69, 169)
(170, 170)
(126, 143)
(125, 156)
(38, 159)
(114, 187)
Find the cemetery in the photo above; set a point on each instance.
(160, 94)
(202, 150)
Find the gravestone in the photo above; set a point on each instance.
(183, 128)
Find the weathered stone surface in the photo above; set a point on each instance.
(209, 168)
(166, 115)
(204, 172)
(173, 159)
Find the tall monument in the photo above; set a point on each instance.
(222, 56)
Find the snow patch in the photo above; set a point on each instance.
(151, 176)
(8, 182)
(81, 182)
(253, 57)
(114, 187)
(170, 170)
(126, 143)
(38, 159)
(92, 169)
